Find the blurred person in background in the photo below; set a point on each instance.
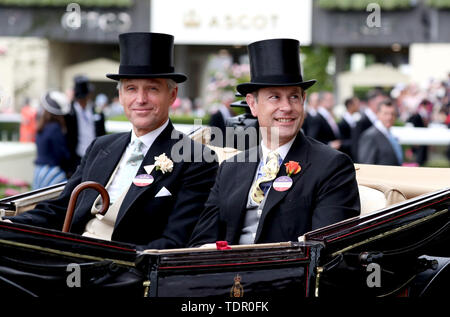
(219, 118)
(114, 109)
(52, 151)
(420, 119)
(28, 122)
(347, 124)
(368, 118)
(311, 111)
(323, 127)
(83, 123)
(377, 145)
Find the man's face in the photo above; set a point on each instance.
(280, 108)
(355, 105)
(328, 101)
(146, 102)
(387, 116)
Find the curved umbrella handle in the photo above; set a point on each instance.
(73, 199)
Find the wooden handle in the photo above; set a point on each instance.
(73, 200)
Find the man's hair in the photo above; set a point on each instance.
(348, 102)
(322, 95)
(387, 103)
(375, 93)
(171, 84)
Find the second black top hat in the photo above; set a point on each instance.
(274, 62)
(146, 55)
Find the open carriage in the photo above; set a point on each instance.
(398, 246)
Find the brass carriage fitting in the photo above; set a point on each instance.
(319, 271)
(146, 285)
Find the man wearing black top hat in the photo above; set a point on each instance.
(157, 188)
(83, 123)
(289, 184)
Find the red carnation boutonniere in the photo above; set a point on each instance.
(292, 168)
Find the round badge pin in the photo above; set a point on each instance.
(282, 183)
(143, 180)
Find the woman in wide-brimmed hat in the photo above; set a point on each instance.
(52, 150)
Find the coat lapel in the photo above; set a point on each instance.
(162, 144)
(102, 168)
(298, 153)
(241, 182)
(108, 158)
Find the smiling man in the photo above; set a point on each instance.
(155, 199)
(295, 184)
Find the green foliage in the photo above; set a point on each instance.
(11, 128)
(314, 62)
(361, 5)
(361, 91)
(439, 4)
(438, 163)
(63, 3)
(181, 119)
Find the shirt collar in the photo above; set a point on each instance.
(282, 150)
(349, 118)
(78, 107)
(371, 115)
(382, 128)
(324, 112)
(150, 137)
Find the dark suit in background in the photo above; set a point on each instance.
(72, 135)
(362, 125)
(420, 151)
(375, 148)
(320, 130)
(346, 138)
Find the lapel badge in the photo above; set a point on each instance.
(143, 180)
(282, 183)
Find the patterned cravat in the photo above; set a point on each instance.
(131, 167)
(270, 171)
(136, 154)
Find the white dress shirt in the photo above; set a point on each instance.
(86, 127)
(114, 189)
(349, 119)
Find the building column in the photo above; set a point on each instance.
(340, 55)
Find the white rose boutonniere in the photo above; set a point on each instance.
(163, 163)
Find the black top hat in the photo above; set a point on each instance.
(82, 87)
(146, 55)
(274, 62)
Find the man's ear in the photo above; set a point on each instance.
(173, 94)
(251, 101)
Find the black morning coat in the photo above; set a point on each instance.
(144, 220)
(323, 192)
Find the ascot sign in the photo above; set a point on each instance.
(232, 22)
